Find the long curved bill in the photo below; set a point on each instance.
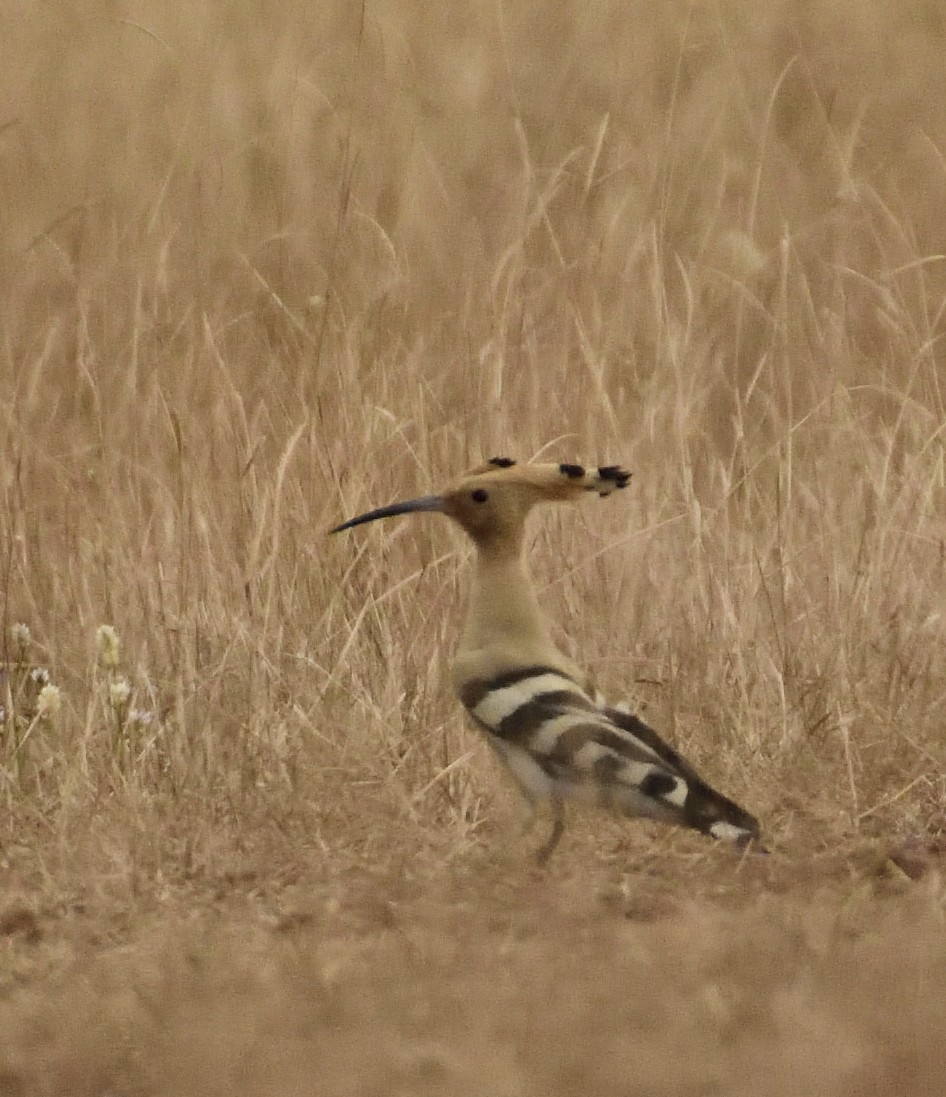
(426, 502)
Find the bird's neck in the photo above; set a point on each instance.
(504, 611)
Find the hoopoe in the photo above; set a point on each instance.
(557, 736)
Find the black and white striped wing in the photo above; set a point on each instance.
(558, 742)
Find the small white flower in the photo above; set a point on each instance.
(109, 646)
(49, 702)
(118, 692)
(21, 634)
(140, 717)
(39, 675)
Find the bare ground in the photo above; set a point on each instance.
(643, 965)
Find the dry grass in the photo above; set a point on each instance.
(262, 267)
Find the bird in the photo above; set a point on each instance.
(539, 711)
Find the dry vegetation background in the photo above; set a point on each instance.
(263, 266)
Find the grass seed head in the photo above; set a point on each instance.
(109, 646)
(118, 693)
(49, 703)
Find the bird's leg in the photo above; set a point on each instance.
(530, 809)
(558, 828)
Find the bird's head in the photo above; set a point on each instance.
(492, 501)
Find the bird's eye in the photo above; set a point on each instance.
(479, 496)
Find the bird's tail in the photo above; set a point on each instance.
(716, 815)
(703, 808)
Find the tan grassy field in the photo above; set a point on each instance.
(263, 267)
